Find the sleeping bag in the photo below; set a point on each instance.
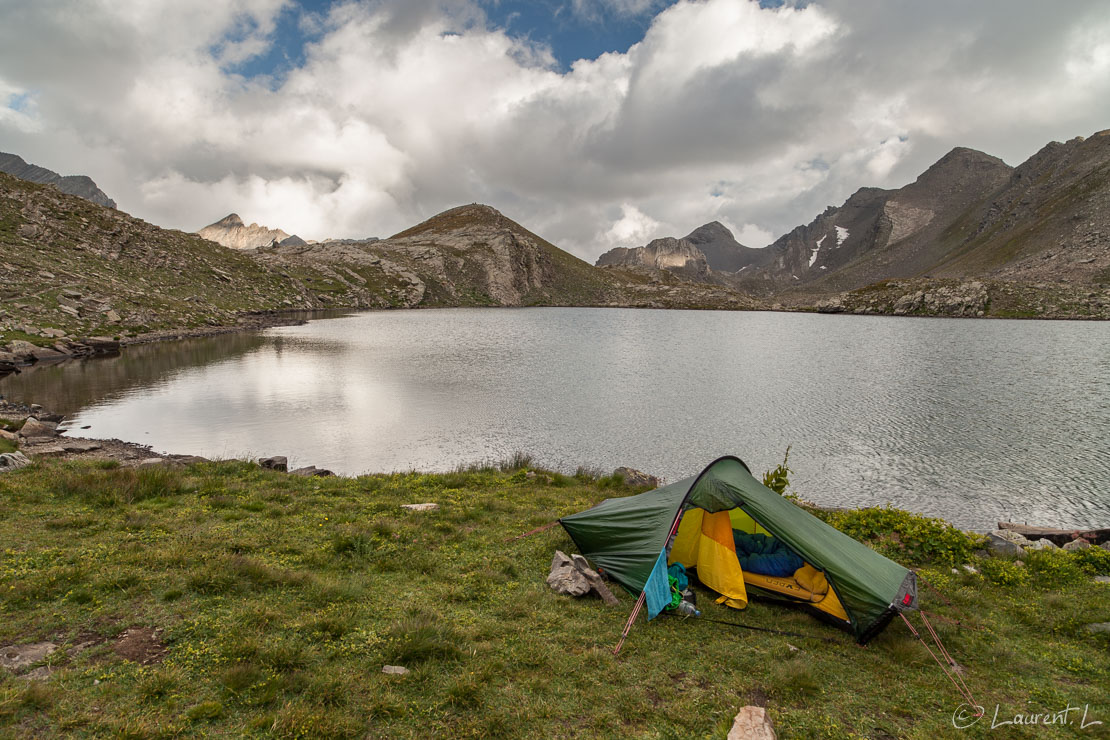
(759, 553)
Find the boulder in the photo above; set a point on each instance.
(35, 429)
(596, 584)
(1105, 545)
(395, 670)
(420, 507)
(18, 657)
(1103, 580)
(637, 478)
(1099, 627)
(1076, 545)
(13, 461)
(33, 352)
(1002, 546)
(10, 436)
(752, 723)
(565, 578)
(312, 472)
(278, 462)
(1041, 544)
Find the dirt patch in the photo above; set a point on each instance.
(141, 645)
(757, 697)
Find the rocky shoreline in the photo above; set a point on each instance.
(19, 354)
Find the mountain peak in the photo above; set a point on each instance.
(711, 232)
(461, 217)
(230, 221)
(80, 185)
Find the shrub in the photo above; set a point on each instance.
(1004, 572)
(779, 478)
(907, 537)
(1094, 561)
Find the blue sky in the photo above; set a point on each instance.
(572, 31)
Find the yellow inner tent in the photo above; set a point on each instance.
(704, 541)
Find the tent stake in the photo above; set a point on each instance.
(631, 620)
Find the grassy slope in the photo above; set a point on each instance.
(281, 598)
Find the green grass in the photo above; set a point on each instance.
(279, 599)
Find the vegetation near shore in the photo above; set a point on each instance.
(223, 599)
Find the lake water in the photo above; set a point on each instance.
(970, 420)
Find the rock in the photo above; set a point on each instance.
(1105, 545)
(395, 670)
(42, 673)
(10, 436)
(35, 429)
(112, 317)
(151, 462)
(565, 578)
(101, 345)
(752, 723)
(312, 472)
(1097, 627)
(79, 446)
(13, 461)
(1002, 546)
(637, 478)
(278, 462)
(970, 569)
(1105, 580)
(1041, 544)
(17, 657)
(1011, 536)
(32, 352)
(597, 585)
(420, 507)
(1076, 545)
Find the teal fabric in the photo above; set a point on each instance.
(657, 590)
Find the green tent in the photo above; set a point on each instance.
(694, 521)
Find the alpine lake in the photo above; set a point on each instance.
(970, 420)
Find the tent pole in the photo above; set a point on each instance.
(631, 620)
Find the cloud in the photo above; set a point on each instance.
(757, 117)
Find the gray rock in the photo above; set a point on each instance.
(970, 569)
(1098, 627)
(151, 462)
(752, 723)
(18, 657)
(1041, 544)
(10, 436)
(1011, 536)
(420, 507)
(565, 578)
(1105, 545)
(278, 462)
(597, 585)
(312, 472)
(1076, 545)
(42, 673)
(395, 670)
(13, 461)
(1105, 580)
(1003, 546)
(636, 478)
(34, 429)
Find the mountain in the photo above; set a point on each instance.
(230, 231)
(79, 185)
(697, 256)
(474, 255)
(881, 234)
(971, 236)
(722, 252)
(677, 255)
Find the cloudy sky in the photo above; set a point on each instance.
(596, 123)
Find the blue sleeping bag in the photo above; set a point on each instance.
(765, 555)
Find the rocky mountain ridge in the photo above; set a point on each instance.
(708, 248)
(231, 232)
(80, 185)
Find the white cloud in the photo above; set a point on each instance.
(754, 117)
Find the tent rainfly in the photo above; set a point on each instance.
(695, 521)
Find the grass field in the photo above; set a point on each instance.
(224, 600)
